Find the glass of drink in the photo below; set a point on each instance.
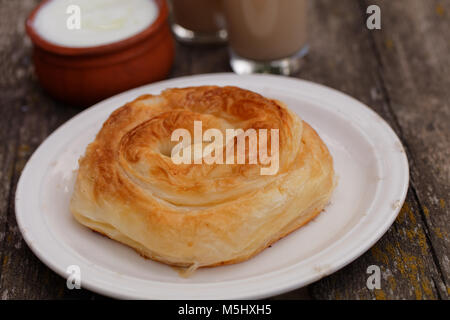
(267, 36)
(198, 21)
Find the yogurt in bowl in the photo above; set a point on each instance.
(87, 23)
(88, 50)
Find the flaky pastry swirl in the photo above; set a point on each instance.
(129, 189)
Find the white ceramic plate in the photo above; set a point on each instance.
(373, 179)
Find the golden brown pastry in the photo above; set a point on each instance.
(196, 215)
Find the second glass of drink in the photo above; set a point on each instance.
(198, 21)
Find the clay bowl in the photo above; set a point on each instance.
(83, 76)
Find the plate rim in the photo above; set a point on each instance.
(112, 291)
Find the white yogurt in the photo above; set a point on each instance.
(102, 21)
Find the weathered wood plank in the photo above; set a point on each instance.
(414, 48)
(343, 57)
(199, 59)
(27, 116)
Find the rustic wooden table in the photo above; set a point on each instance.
(401, 71)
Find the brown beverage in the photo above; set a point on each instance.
(265, 30)
(204, 18)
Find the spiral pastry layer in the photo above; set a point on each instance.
(197, 214)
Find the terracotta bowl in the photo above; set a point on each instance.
(83, 76)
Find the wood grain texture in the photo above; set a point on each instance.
(415, 71)
(401, 71)
(407, 253)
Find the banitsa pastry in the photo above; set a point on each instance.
(200, 214)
